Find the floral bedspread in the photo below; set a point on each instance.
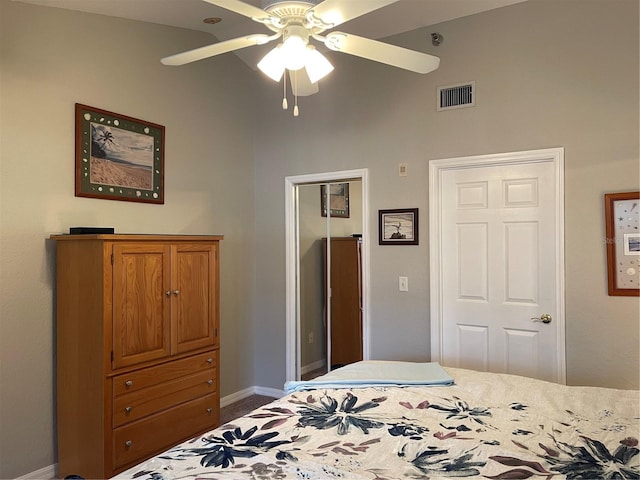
(485, 426)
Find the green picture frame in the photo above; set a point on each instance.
(118, 157)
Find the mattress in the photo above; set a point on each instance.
(481, 425)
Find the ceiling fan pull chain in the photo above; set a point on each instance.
(296, 111)
(285, 104)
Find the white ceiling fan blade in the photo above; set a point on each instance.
(335, 12)
(301, 86)
(241, 7)
(215, 49)
(382, 52)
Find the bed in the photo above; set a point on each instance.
(455, 423)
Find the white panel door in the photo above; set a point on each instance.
(498, 269)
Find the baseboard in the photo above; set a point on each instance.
(313, 366)
(49, 473)
(269, 392)
(46, 473)
(247, 392)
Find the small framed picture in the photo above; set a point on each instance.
(622, 222)
(118, 157)
(338, 200)
(398, 227)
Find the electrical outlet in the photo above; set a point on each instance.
(403, 284)
(310, 337)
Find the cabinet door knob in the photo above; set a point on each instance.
(176, 292)
(168, 293)
(209, 410)
(128, 383)
(209, 382)
(127, 409)
(128, 443)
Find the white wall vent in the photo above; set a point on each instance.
(457, 96)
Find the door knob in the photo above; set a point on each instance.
(544, 318)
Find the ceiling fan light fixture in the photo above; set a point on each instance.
(272, 64)
(294, 52)
(317, 64)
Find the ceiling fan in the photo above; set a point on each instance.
(296, 22)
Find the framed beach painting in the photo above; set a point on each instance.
(398, 226)
(622, 223)
(118, 157)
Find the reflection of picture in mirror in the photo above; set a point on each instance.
(338, 200)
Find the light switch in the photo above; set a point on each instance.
(403, 283)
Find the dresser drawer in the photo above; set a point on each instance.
(136, 405)
(147, 377)
(139, 440)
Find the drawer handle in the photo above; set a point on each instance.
(128, 443)
(209, 410)
(127, 409)
(209, 382)
(209, 360)
(128, 383)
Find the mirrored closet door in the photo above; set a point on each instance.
(330, 276)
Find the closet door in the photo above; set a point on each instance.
(193, 296)
(141, 303)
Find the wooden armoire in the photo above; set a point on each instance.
(137, 329)
(346, 299)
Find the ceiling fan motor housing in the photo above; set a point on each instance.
(288, 8)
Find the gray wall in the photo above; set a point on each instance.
(50, 59)
(545, 77)
(548, 74)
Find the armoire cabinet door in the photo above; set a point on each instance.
(193, 303)
(141, 303)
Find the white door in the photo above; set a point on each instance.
(500, 306)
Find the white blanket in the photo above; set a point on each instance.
(372, 373)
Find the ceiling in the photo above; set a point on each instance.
(399, 17)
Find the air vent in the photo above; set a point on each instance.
(457, 96)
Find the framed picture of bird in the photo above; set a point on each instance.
(398, 226)
(118, 157)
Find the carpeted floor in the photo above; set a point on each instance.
(248, 404)
(314, 373)
(242, 407)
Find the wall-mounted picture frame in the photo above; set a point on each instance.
(118, 157)
(622, 223)
(338, 200)
(398, 226)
